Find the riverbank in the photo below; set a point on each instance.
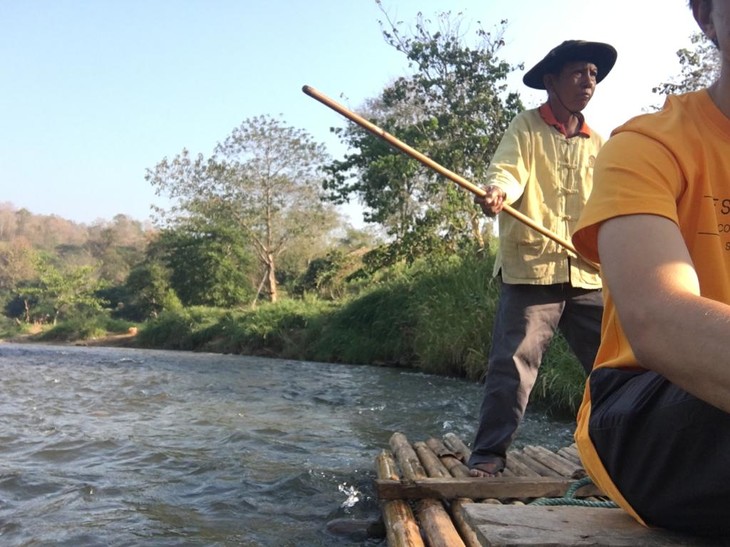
(117, 340)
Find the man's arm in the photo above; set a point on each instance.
(671, 328)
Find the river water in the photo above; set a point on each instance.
(116, 446)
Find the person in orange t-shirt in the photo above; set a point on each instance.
(654, 426)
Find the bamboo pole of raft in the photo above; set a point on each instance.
(428, 162)
(435, 521)
(442, 461)
(552, 460)
(400, 525)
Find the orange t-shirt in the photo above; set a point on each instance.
(674, 163)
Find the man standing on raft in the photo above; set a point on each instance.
(543, 167)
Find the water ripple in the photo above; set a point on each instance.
(117, 447)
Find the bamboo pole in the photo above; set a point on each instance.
(455, 466)
(428, 162)
(565, 467)
(433, 453)
(401, 527)
(435, 521)
(457, 446)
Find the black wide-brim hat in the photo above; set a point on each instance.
(600, 54)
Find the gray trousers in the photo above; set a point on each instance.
(526, 321)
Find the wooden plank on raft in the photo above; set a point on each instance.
(406, 457)
(430, 461)
(494, 487)
(569, 526)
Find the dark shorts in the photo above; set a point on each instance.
(666, 451)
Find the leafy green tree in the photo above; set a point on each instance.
(207, 268)
(454, 108)
(263, 180)
(700, 66)
(65, 293)
(149, 292)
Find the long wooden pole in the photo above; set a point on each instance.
(428, 162)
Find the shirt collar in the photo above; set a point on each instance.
(546, 113)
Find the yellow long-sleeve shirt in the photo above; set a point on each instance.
(548, 177)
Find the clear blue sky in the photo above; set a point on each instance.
(94, 92)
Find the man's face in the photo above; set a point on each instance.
(575, 84)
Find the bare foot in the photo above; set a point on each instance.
(487, 469)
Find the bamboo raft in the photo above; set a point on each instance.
(428, 498)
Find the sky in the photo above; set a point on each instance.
(93, 93)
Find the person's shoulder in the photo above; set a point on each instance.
(527, 116)
(679, 115)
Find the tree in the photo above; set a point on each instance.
(700, 67)
(149, 292)
(117, 246)
(263, 180)
(64, 292)
(17, 269)
(17, 264)
(454, 108)
(206, 268)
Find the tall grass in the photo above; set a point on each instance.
(374, 328)
(271, 329)
(84, 328)
(454, 306)
(560, 382)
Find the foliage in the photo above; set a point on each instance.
(148, 293)
(169, 330)
(328, 277)
(560, 382)
(110, 248)
(206, 268)
(454, 109)
(272, 330)
(10, 328)
(455, 310)
(263, 181)
(17, 263)
(116, 247)
(85, 328)
(374, 328)
(63, 293)
(700, 67)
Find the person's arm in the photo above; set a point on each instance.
(509, 168)
(671, 328)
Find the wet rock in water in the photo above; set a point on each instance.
(356, 529)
